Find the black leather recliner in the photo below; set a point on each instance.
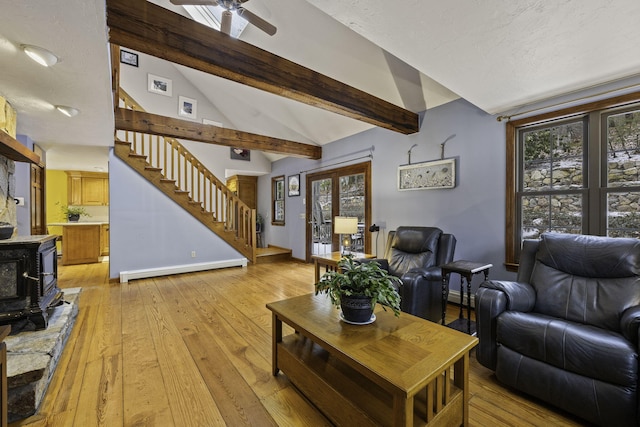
(566, 331)
(415, 254)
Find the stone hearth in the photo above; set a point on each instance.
(32, 357)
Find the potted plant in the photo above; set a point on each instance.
(73, 213)
(356, 287)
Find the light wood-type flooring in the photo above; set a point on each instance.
(195, 350)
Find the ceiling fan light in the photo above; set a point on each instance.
(67, 111)
(41, 55)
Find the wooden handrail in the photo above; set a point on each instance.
(176, 163)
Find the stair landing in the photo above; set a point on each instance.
(272, 254)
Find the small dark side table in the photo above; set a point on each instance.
(466, 270)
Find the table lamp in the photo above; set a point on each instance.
(345, 226)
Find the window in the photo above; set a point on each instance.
(277, 200)
(574, 171)
(552, 186)
(621, 212)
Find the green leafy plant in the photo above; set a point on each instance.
(361, 278)
(74, 210)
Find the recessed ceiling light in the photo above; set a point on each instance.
(67, 111)
(41, 55)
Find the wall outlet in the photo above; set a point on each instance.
(193, 254)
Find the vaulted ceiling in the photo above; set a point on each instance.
(497, 54)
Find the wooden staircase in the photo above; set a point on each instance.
(170, 167)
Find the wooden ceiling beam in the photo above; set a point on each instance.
(138, 121)
(148, 28)
(12, 149)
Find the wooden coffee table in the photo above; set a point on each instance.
(387, 372)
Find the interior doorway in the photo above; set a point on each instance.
(344, 191)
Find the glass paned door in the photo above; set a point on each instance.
(338, 192)
(352, 197)
(322, 214)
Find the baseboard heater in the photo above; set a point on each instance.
(125, 276)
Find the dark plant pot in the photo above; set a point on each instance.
(73, 217)
(356, 308)
(6, 230)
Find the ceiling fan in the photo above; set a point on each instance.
(230, 6)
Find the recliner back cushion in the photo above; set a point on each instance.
(413, 247)
(587, 279)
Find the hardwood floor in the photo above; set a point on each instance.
(195, 350)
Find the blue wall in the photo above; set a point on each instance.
(149, 230)
(474, 211)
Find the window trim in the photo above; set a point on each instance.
(511, 130)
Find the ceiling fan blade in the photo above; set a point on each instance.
(225, 24)
(257, 21)
(194, 2)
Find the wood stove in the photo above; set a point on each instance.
(28, 281)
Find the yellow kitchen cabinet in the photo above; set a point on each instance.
(88, 188)
(104, 240)
(80, 243)
(246, 188)
(74, 190)
(95, 191)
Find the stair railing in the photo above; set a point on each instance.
(178, 165)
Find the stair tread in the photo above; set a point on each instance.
(272, 251)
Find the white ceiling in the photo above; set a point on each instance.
(501, 54)
(497, 54)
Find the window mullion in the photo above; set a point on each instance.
(595, 162)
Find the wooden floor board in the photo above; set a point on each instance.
(195, 350)
(145, 399)
(237, 402)
(190, 402)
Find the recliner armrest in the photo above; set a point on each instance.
(520, 296)
(630, 323)
(429, 273)
(492, 299)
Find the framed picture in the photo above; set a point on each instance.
(294, 185)
(240, 154)
(129, 58)
(159, 85)
(427, 175)
(187, 107)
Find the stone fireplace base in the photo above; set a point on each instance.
(32, 358)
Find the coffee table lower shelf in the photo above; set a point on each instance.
(347, 397)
